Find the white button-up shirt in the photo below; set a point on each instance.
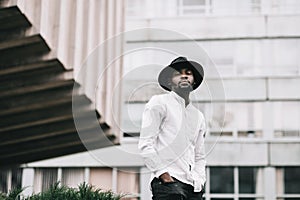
(172, 139)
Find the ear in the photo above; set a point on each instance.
(169, 81)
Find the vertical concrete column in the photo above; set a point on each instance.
(120, 22)
(114, 177)
(9, 176)
(270, 183)
(91, 74)
(109, 83)
(101, 54)
(87, 174)
(66, 35)
(27, 181)
(79, 36)
(145, 184)
(59, 175)
(236, 182)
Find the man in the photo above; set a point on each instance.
(172, 134)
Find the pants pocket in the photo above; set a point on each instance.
(168, 190)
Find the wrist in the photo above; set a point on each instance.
(166, 177)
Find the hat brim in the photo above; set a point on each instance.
(166, 74)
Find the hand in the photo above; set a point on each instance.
(166, 178)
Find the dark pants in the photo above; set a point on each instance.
(173, 191)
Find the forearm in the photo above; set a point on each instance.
(200, 166)
(151, 159)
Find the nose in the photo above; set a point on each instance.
(184, 76)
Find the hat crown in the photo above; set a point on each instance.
(178, 60)
(180, 63)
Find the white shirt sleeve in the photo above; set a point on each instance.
(153, 116)
(200, 161)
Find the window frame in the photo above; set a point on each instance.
(235, 194)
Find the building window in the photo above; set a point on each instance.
(72, 177)
(101, 178)
(235, 183)
(128, 183)
(221, 180)
(44, 178)
(292, 180)
(3, 180)
(288, 181)
(122, 180)
(10, 179)
(16, 178)
(250, 180)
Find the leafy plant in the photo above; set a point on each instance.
(12, 195)
(61, 192)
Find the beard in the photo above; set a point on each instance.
(185, 86)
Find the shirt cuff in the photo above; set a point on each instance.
(198, 186)
(160, 172)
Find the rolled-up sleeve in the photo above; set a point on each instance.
(153, 116)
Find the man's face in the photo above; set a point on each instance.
(182, 79)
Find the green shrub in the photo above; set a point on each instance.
(58, 192)
(12, 195)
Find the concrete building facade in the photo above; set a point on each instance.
(253, 138)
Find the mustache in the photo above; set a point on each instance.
(184, 81)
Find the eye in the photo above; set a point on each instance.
(176, 73)
(189, 72)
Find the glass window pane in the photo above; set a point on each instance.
(44, 178)
(49, 178)
(297, 198)
(221, 179)
(128, 183)
(3, 181)
(292, 180)
(101, 178)
(247, 180)
(250, 180)
(16, 178)
(72, 177)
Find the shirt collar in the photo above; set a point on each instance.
(179, 99)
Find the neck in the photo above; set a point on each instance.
(185, 94)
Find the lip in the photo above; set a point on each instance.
(185, 81)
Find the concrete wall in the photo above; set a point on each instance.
(220, 27)
(234, 89)
(245, 152)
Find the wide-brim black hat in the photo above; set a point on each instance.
(181, 62)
